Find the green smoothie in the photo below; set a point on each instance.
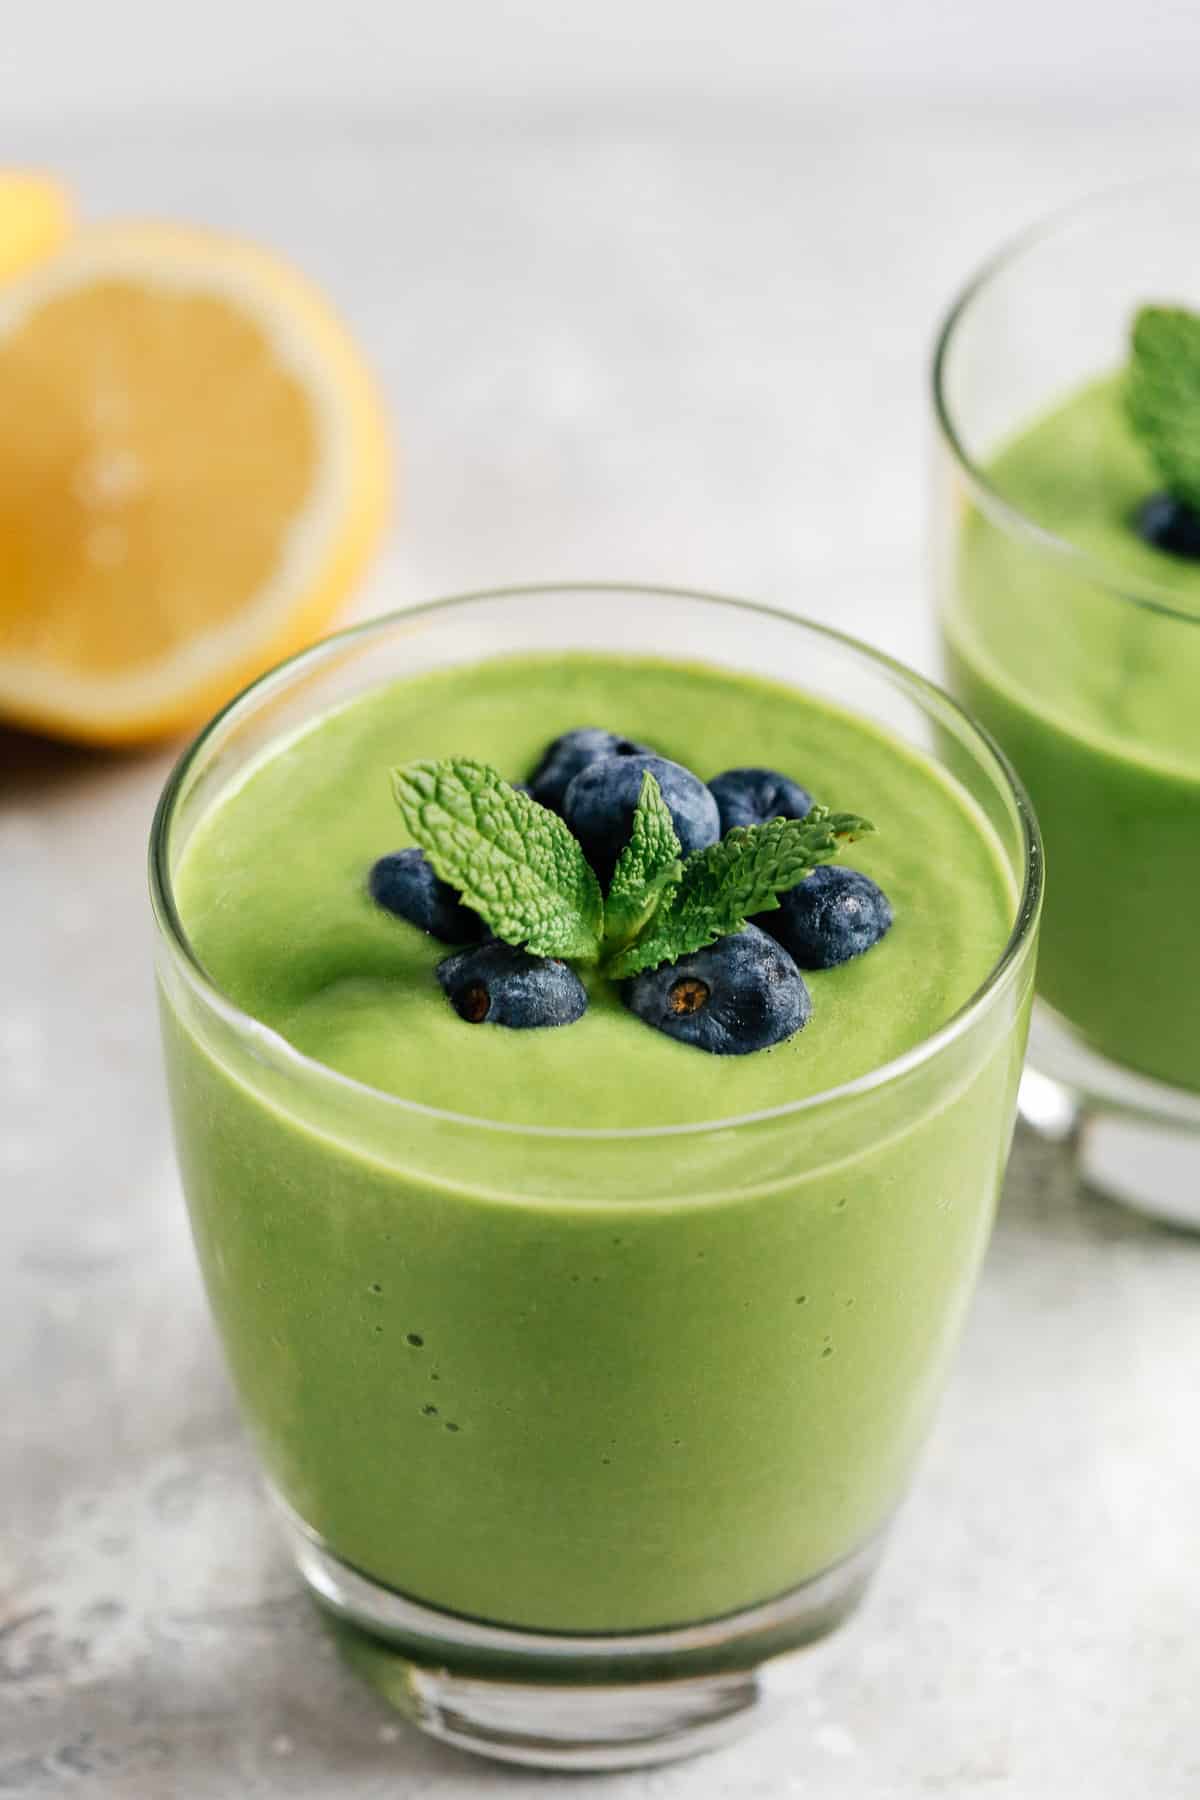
(1093, 693)
(605, 1382)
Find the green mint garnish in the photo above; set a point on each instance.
(647, 872)
(514, 862)
(724, 886)
(517, 865)
(1162, 394)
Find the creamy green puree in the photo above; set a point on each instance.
(603, 1383)
(1096, 697)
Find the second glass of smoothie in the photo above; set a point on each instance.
(587, 1368)
(1075, 637)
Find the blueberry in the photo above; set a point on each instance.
(752, 796)
(600, 803)
(834, 914)
(404, 883)
(572, 752)
(503, 986)
(743, 993)
(1167, 524)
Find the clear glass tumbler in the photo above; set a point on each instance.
(756, 1471)
(1082, 658)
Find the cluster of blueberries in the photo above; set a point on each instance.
(741, 994)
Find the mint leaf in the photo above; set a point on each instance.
(648, 869)
(723, 886)
(1162, 394)
(514, 862)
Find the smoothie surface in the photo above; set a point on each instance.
(1081, 472)
(1121, 673)
(272, 891)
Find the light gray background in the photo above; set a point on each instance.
(651, 303)
(138, 53)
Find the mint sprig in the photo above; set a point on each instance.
(514, 862)
(1162, 394)
(647, 872)
(517, 865)
(724, 886)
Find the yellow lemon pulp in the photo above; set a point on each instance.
(35, 217)
(193, 471)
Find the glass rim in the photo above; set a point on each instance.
(1119, 583)
(172, 932)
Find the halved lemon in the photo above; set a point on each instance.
(35, 217)
(193, 472)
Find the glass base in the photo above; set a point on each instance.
(574, 1702)
(1136, 1140)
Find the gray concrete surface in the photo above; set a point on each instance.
(689, 349)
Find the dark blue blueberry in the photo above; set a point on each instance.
(834, 914)
(405, 884)
(743, 993)
(499, 985)
(1167, 524)
(572, 752)
(600, 803)
(752, 796)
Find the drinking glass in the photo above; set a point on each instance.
(1085, 666)
(605, 1532)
